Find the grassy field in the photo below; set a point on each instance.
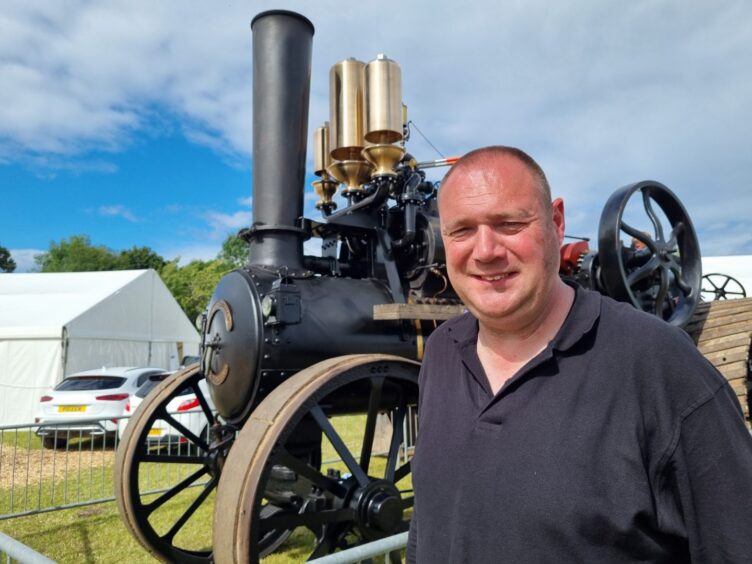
(95, 533)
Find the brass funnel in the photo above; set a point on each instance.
(325, 188)
(383, 157)
(351, 173)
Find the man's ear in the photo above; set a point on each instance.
(557, 212)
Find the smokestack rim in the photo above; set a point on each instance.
(289, 13)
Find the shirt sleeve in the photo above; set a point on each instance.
(709, 477)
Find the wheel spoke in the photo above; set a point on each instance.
(203, 403)
(183, 430)
(674, 237)
(309, 519)
(662, 292)
(679, 277)
(174, 490)
(402, 471)
(339, 445)
(639, 235)
(374, 401)
(408, 501)
(643, 272)
(172, 459)
(284, 457)
(653, 217)
(170, 535)
(398, 417)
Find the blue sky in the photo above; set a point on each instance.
(130, 122)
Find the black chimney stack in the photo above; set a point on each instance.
(281, 85)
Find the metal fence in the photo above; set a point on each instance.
(74, 468)
(71, 466)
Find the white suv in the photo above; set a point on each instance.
(88, 403)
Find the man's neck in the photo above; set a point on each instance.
(502, 354)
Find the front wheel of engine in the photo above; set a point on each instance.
(281, 476)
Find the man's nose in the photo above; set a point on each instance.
(488, 245)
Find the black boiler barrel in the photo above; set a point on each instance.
(282, 43)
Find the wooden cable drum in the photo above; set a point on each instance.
(722, 331)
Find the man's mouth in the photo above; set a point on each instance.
(494, 277)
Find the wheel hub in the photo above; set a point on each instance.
(378, 507)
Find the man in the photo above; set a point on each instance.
(557, 425)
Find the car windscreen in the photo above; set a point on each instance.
(152, 382)
(86, 383)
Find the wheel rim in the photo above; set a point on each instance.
(183, 474)
(662, 277)
(717, 286)
(340, 509)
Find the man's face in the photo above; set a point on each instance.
(502, 243)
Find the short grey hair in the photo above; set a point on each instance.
(476, 156)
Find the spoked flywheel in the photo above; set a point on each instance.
(659, 270)
(312, 450)
(717, 286)
(167, 467)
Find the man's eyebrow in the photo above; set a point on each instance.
(510, 215)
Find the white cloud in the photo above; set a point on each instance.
(601, 93)
(117, 211)
(24, 259)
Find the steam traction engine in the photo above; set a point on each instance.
(312, 358)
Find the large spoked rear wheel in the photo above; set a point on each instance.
(166, 470)
(659, 270)
(285, 457)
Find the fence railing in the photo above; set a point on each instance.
(71, 465)
(61, 466)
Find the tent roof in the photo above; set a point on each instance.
(41, 304)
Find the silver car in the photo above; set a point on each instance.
(88, 403)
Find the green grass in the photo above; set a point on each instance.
(96, 534)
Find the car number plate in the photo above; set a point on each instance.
(71, 408)
(155, 432)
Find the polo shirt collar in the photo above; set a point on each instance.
(582, 316)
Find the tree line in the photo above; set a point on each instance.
(191, 284)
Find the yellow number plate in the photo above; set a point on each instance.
(155, 432)
(70, 408)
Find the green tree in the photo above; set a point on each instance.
(234, 251)
(137, 258)
(76, 254)
(193, 284)
(7, 264)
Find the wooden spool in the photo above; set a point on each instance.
(722, 331)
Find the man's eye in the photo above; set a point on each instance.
(512, 226)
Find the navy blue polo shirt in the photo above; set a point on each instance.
(619, 442)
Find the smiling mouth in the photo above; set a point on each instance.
(495, 277)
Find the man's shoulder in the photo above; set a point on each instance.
(639, 325)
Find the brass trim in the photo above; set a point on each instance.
(352, 173)
(383, 101)
(383, 158)
(224, 307)
(346, 110)
(325, 189)
(321, 157)
(419, 344)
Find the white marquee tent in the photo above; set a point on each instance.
(52, 325)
